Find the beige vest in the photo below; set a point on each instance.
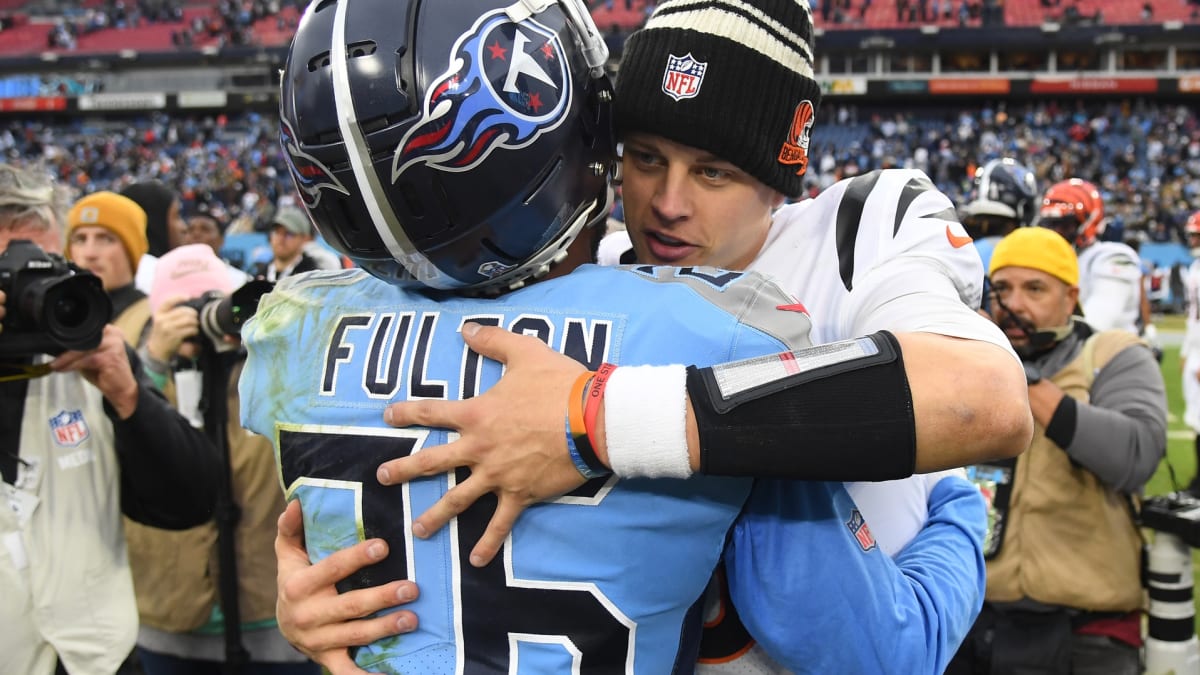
(133, 320)
(176, 573)
(1070, 539)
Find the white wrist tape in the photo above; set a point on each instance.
(645, 421)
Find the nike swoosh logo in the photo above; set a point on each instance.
(792, 308)
(955, 240)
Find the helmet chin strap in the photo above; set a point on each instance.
(1038, 340)
(1041, 340)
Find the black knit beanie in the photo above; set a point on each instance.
(732, 77)
(155, 198)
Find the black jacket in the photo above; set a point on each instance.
(168, 468)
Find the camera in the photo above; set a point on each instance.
(1177, 513)
(1171, 645)
(222, 316)
(52, 305)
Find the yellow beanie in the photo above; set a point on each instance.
(1037, 248)
(120, 215)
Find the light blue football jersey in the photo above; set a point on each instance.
(599, 581)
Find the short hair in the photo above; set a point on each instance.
(30, 196)
(219, 220)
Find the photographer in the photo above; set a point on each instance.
(1064, 592)
(79, 446)
(177, 574)
(106, 235)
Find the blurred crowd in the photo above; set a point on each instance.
(226, 22)
(1145, 157)
(227, 166)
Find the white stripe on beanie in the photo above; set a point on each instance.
(728, 19)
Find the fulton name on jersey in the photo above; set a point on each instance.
(385, 355)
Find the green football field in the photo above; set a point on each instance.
(1181, 455)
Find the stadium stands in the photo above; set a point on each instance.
(271, 23)
(199, 23)
(144, 37)
(1032, 12)
(24, 38)
(276, 30)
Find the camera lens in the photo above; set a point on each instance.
(73, 310)
(68, 312)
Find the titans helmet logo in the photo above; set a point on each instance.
(310, 175)
(507, 84)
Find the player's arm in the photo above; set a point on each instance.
(908, 614)
(513, 436)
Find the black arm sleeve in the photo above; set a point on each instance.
(849, 420)
(1061, 428)
(168, 468)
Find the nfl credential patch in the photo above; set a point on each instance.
(858, 527)
(683, 77)
(69, 428)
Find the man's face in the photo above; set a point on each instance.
(101, 252)
(684, 206)
(204, 230)
(285, 244)
(49, 238)
(1034, 296)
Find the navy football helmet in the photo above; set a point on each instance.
(1005, 198)
(455, 145)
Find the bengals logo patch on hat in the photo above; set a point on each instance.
(795, 148)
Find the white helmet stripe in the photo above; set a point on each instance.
(401, 248)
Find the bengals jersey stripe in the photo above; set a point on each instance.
(913, 189)
(849, 217)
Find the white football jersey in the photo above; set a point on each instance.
(1110, 286)
(1190, 350)
(829, 252)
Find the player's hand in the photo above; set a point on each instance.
(3, 299)
(513, 437)
(107, 368)
(312, 615)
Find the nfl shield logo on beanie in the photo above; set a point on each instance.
(683, 77)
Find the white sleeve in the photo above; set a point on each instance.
(1106, 306)
(930, 304)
